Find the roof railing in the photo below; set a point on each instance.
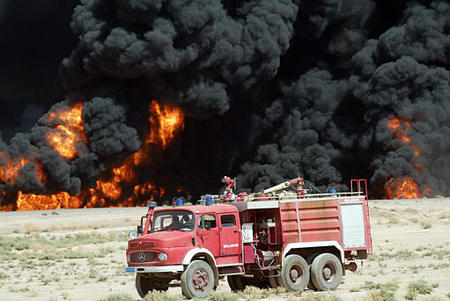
(292, 196)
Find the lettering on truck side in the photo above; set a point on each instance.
(230, 245)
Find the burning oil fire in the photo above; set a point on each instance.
(122, 189)
(404, 187)
(399, 127)
(68, 132)
(165, 121)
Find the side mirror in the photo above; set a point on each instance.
(139, 229)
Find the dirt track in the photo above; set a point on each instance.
(79, 254)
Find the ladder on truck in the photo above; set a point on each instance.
(360, 185)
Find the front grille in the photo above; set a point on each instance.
(140, 244)
(143, 256)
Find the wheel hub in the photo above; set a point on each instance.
(200, 280)
(327, 273)
(293, 274)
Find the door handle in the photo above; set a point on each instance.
(236, 231)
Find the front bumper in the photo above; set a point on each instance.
(156, 269)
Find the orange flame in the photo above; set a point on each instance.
(165, 122)
(9, 171)
(30, 201)
(404, 187)
(65, 136)
(399, 127)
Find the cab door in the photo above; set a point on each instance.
(230, 235)
(208, 233)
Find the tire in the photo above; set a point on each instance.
(326, 272)
(143, 285)
(232, 283)
(309, 261)
(197, 281)
(311, 284)
(294, 273)
(237, 283)
(161, 284)
(146, 283)
(259, 280)
(274, 280)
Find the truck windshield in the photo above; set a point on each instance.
(173, 220)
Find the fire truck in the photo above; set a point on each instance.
(280, 236)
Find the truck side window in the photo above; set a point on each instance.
(227, 221)
(207, 221)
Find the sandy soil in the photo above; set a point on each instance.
(80, 254)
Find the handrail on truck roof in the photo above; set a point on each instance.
(293, 197)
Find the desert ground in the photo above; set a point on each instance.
(79, 254)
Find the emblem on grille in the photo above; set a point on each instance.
(141, 257)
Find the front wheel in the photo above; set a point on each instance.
(146, 283)
(326, 272)
(294, 273)
(197, 281)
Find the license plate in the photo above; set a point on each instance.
(130, 270)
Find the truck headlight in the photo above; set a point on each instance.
(132, 234)
(162, 256)
(128, 258)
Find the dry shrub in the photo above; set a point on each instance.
(374, 295)
(394, 220)
(444, 215)
(380, 291)
(219, 296)
(161, 296)
(434, 298)
(117, 297)
(32, 228)
(411, 210)
(255, 292)
(420, 287)
(319, 297)
(426, 224)
(258, 293)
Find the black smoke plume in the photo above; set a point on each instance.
(332, 123)
(191, 53)
(271, 90)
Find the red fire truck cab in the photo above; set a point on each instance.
(272, 238)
